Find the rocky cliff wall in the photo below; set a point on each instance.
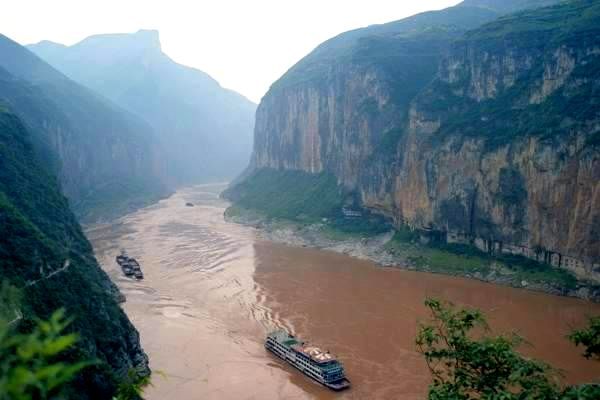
(498, 148)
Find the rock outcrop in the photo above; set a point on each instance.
(489, 137)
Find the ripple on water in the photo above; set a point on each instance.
(212, 291)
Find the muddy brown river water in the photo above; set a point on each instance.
(213, 289)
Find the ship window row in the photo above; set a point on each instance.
(311, 367)
(327, 372)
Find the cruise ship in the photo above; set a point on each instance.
(320, 365)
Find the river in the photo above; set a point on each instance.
(213, 289)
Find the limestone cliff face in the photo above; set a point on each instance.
(497, 147)
(90, 165)
(532, 197)
(316, 127)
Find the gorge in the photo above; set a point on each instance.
(204, 131)
(70, 154)
(440, 154)
(462, 126)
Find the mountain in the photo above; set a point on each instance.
(204, 129)
(508, 6)
(464, 125)
(106, 157)
(44, 253)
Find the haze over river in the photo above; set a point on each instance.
(213, 289)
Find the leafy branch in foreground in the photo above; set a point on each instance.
(29, 364)
(466, 363)
(588, 337)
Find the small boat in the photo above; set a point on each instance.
(121, 259)
(129, 265)
(315, 363)
(127, 270)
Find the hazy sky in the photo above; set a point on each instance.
(245, 45)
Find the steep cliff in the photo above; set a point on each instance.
(44, 253)
(105, 157)
(487, 137)
(500, 149)
(349, 98)
(205, 130)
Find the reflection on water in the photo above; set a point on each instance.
(212, 290)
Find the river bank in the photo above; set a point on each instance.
(398, 250)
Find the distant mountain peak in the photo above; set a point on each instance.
(149, 36)
(49, 44)
(205, 131)
(142, 40)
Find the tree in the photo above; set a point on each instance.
(588, 337)
(33, 366)
(466, 363)
(29, 363)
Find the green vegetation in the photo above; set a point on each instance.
(296, 198)
(340, 228)
(467, 260)
(406, 50)
(368, 225)
(106, 201)
(403, 54)
(467, 363)
(589, 338)
(40, 235)
(11, 299)
(484, 367)
(441, 259)
(560, 20)
(512, 187)
(30, 363)
(536, 34)
(388, 146)
(300, 198)
(293, 195)
(37, 360)
(132, 386)
(594, 140)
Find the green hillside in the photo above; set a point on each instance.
(45, 254)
